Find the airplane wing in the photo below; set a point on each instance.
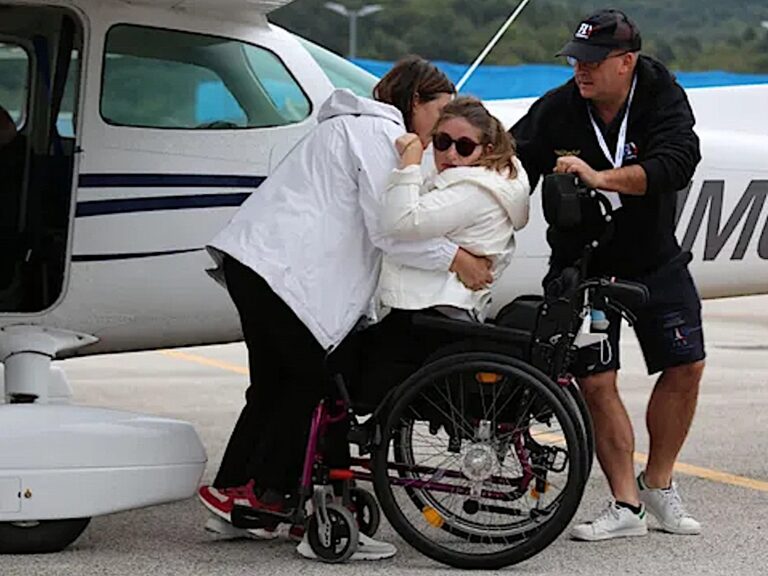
(260, 6)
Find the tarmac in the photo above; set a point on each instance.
(722, 472)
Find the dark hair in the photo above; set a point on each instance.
(410, 77)
(492, 132)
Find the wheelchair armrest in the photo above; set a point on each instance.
(473, 329)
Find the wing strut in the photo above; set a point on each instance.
(491, 44)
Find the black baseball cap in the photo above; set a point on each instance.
(599, 34)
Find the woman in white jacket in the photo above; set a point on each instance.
(478, 198)
(301, 260)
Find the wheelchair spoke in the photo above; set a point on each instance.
(466, 426)
(482, 455)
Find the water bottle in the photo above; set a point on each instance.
(599, 321)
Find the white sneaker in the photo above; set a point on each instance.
(667, 507)
(614, 522)
(220, 527)
(367, 549)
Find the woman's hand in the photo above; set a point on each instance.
(473, 271)
(410, 149)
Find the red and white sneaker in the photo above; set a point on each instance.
(220, 501)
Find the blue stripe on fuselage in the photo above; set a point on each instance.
(152, 204)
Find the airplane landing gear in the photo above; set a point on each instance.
(40, 536)
(62, 464)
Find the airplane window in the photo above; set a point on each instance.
(341, 72)
(14, 81)
(279, 85)
(159, 78)
(65, 122)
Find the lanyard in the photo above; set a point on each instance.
(618, 158)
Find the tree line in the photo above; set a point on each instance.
(686, 35)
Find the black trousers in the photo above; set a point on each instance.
(290, 373)
(389, 352)
(288, 377)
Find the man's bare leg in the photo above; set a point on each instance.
(614, 437)
(669, 416)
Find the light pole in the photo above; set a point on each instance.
(353, 15)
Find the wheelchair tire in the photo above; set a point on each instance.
(344, 535)
(585, 423)
(524, 539)
(582, 421)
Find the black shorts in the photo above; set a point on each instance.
(668, 327)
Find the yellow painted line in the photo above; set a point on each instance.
(194, 358)
(548, 437)
(713, 475)
(682, 468)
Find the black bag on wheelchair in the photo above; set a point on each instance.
(547, 320)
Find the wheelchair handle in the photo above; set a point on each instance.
(626, 293)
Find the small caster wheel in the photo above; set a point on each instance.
(366, 511)
(335, 540)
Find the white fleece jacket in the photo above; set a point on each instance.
(311, 230)
(477, 208)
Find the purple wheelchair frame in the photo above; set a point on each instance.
(322, 418)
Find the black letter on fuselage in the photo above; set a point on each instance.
(762, 247)
(712, 196)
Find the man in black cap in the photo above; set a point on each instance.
(624, 126)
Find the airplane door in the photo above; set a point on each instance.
(39, 80)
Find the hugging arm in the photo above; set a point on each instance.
(375, 163)
(408, 215)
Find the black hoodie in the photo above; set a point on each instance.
(660, 138)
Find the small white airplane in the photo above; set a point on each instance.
(142, 125)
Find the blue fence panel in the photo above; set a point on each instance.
(495, 82)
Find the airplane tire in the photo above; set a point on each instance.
(41, 537)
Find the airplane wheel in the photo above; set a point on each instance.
(41, 537)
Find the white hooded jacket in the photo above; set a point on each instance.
(477, 208)
(312, 229)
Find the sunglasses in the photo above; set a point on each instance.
(464, 146)
(572, 61)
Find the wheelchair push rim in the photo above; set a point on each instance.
(493, 468)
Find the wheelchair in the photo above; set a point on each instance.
(479, 459)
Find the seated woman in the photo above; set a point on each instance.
(478, 197)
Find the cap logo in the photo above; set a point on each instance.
(584, 31)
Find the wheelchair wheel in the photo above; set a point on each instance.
(585, 424)
(489, 453)
(366, 511)
(337, 540)
(403, 454)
